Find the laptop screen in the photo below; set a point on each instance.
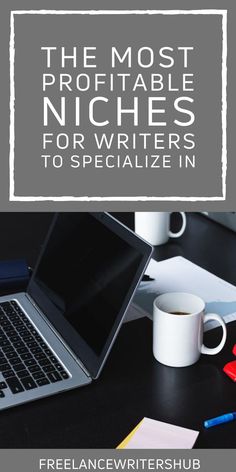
(85, 278)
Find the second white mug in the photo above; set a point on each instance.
(154, 226)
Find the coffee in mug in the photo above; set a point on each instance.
(179, 313)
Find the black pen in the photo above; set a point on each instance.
(147, 278)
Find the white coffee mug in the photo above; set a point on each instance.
(154, 226)
(178, 320)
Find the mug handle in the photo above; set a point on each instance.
(181, 231)
(214, 350)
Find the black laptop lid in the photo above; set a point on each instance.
(84, 280)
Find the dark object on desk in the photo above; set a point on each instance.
(14, 274)
(147, 278)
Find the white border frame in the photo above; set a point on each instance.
(223, 13)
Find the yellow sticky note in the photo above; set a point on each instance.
(125, 441)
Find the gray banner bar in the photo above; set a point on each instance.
(41, 460)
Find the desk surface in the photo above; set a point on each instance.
(132, 384)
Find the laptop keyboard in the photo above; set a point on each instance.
(26, 361)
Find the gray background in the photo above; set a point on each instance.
(229, 204)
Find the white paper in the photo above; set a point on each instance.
(180, 275)
(154, 434)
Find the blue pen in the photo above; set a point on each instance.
(220, 419)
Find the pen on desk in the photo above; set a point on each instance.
(220, 419)
(147, 278)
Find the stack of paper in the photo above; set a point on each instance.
(180, 275)
(152, 434)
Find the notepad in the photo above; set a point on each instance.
(152, 434)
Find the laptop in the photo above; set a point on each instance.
(57, 335)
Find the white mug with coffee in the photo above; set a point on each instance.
(154, 226)
(178, 320)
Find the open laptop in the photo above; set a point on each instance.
(58, 334)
